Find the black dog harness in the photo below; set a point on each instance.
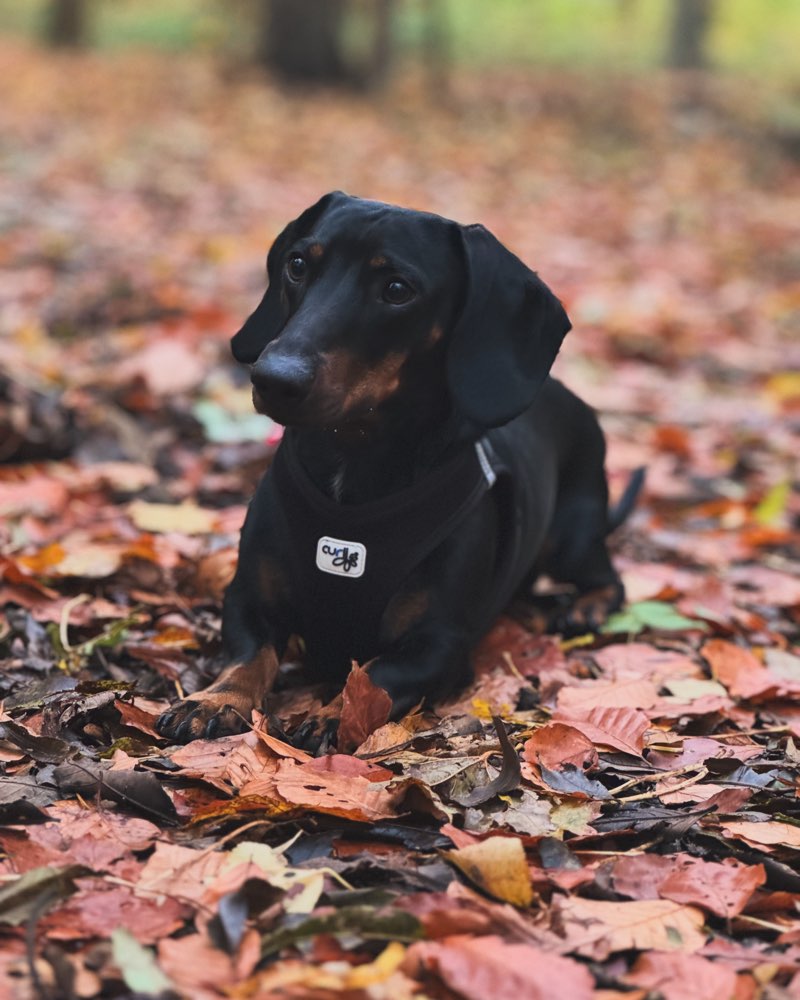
(345, 562)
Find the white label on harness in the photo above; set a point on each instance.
(340, 557)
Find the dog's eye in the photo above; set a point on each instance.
(397, 292)
(296, 267)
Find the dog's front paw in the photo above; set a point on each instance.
(195, 719)
(589, 611)
(317, 735)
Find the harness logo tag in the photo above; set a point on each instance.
(342, 558)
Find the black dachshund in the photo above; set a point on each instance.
(430, 469)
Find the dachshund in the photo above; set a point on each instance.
(430, 469)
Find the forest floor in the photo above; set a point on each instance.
(617, 813)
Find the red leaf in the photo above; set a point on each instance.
(557, 744)
(365, 708)
(480, 967)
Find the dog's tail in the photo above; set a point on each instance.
(620, 512)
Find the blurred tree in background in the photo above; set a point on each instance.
(691, 26)
(358, 42)
(304, 40)
(66, 24)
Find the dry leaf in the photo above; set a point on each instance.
(595, 928)
(477, 968)
(498, 866)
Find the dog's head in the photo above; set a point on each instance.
(373, 309)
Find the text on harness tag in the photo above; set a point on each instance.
(334, 555)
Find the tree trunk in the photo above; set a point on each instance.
(67, 23)
(691, 21)
(301, 40)
(435, 44)
(383, 44)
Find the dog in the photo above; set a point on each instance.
(430, 470)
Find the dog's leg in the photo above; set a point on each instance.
(430, 659)
(580, 556)
(251, 644)
(225, 706)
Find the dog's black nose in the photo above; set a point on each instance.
(282, 379)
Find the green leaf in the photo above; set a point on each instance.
(362, 921)
(662, 616)
(773, 506)
(31, 893)
(223, 427)
(657, 615)
(623, 622)
(138, 965)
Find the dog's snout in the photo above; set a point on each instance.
(283, 379)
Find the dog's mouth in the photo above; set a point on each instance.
(319, 415)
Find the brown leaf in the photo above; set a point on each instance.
(724, 889)
(557, 744)
(93, 911)
(620, 728)
(477, 968)
(508, 778)
(595, 928)
(766, 835)
(365, 708)
(351, 796)
(676, 976)
(576, 702)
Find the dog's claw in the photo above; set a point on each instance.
(316, 736)
(588, 612)
(192, 720)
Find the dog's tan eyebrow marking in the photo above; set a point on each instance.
(316, 250)
(378, 261)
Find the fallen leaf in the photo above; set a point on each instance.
(365, 708)
(596, 928)
(723, 889)
(675, 977)
(620, 728)
(557, 744)
(186, 517)
(771, 833)
(498, 866)
(479, 967)
(738, 669)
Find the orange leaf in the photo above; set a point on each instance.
(738, 669)
(557, 744)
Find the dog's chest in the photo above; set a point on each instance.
(345, 562)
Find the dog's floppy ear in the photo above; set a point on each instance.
(507, 336)
(270, 314)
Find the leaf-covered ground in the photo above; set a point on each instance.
(617, 814)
